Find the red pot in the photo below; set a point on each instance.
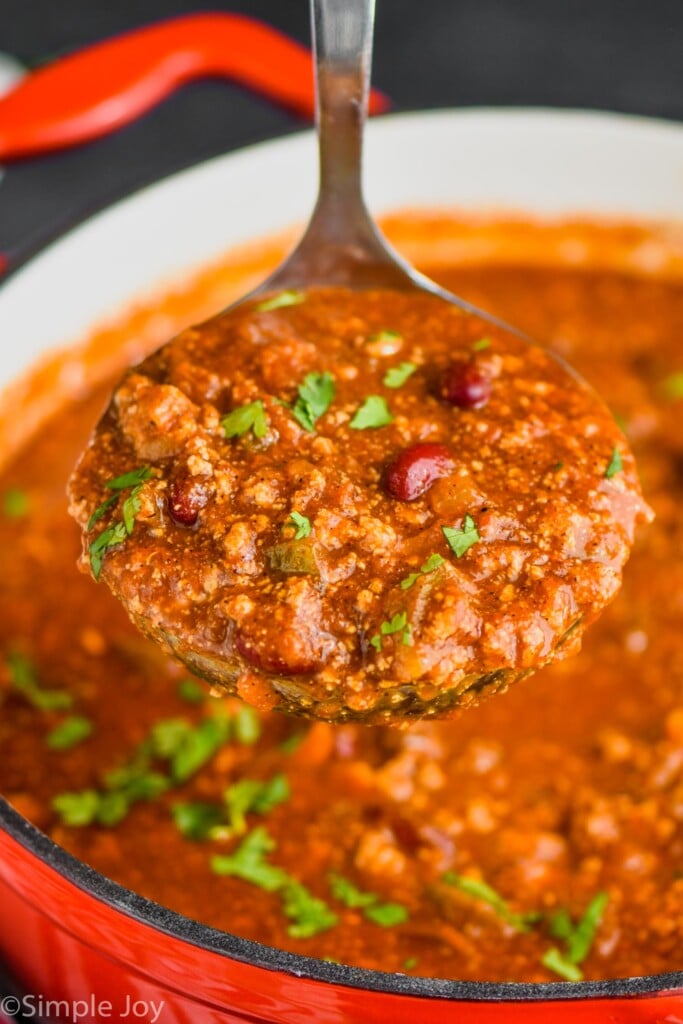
(69, 934)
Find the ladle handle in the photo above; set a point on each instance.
(342, 39)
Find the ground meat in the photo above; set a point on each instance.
(371, 504)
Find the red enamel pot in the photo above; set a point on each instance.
(66, 932)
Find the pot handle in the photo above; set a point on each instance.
(98, 89)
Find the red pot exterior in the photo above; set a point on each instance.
(62, 942)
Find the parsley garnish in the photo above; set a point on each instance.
(432, 563)
(250, 796)
(481, 345)
(117, 532)
(24, 679)
(247, 725)
(385, 335)
(373, 413)
(196, 820)
(191, 691)
(410, 963)
(461, 538)
(479, 890)
(14, 503)
(280, 301)
(72, 731)
(616, 465)
(578, 938)
(316, 393)
(558, 963)
(248, 862)
(188, 747)
(292, 743)
(385, 914)
(245, 418)
(397, 624)
(398, 375)
(302, 523)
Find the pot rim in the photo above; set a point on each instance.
(257, 954)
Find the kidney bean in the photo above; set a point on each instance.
(415, 469)
(464, 385)
(186, 498)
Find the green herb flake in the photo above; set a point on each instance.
(410, 963)
(396, 376)
(69, 733)
(481, 345)
(373, 413)
(554, 960)
(247, 725)
(198, 746)
(672, 386)
(245, 418)
(348, 894)
(387, 915)
(191, 691)
(281, 301)
(197, 820)
(249, 863)
(292, 743)
(385, 335)
(15, 503)
(309, 915)
(484, 893)
(302, 523)
(132, 479)
(251, 796)
(111, 537)
(24, 679)
(397, 624)
(316, 394)
(460, 539)
(101, 510)
(434, 562)
(579, 937)
(77, 809)
(615, 466)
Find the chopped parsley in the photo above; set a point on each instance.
(69, 733)
(461, 538)
(117, 532)
(481, 345)
(385, 335)
(197, 820)
(373, 413)
(245, 418)
(247, 725)
(479, 890)
(184, 747)
(309, 915)
(432, 563)
(384, 914)
(316, 394)
(559, 964)
(251, 796)
(577, 938)
(191, 691)
(25, 681)
(410, 963)
(292, 743)
(672, 385)
(302, 523)
(397, 624)
(280, 301)
(615, 466)
(14, 503)
(396, 376)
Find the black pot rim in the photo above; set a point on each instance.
(269, 958)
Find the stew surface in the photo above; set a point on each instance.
(357, 504)
(538, 836)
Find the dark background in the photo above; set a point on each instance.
(623, 55)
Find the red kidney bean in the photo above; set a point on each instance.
(415, 469)
(464, 385)
(186, 498)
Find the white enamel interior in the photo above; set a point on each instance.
(545, 162)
